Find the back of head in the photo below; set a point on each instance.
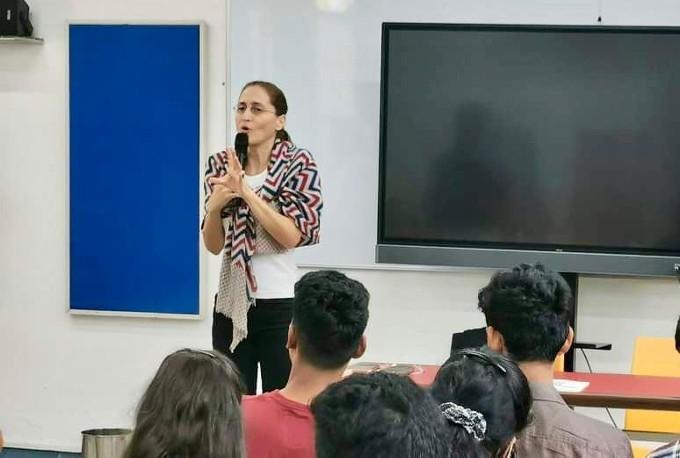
(490, 384)
(378, 415)
(191, 409)
(530, 307)
(330, 313)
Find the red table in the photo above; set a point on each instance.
(424, 375)
(623, 391)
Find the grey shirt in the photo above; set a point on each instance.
(556, 430)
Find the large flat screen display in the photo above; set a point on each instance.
(506, 143)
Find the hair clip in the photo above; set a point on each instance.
(484, 357)
(202, 352)
(472, 421)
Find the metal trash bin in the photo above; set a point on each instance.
(105, 442)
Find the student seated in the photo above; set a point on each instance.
(330, 313)
(381, 415)
(191, 409)
(487, 396)
(527, 312)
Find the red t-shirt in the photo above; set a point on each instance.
(277, 427)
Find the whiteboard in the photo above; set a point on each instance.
(325, 55)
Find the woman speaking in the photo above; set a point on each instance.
(257, 213)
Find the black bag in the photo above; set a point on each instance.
(14, 19)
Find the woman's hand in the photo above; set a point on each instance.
(219, 198)
(234, 179)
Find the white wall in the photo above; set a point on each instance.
(61, 373)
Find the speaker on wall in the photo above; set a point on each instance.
(14, 19)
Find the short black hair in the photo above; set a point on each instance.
(491, 384)
(330, 313)
(379, 415)
(530, 306)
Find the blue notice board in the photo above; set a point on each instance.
(134, 168)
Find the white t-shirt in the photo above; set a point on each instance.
(275, 273)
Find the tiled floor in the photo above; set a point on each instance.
(21, 453)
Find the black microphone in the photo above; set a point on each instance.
(241, 147)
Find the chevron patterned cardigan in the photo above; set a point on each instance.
(293, 187)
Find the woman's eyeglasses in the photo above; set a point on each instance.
(256, 110)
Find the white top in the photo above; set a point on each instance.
(275, 273)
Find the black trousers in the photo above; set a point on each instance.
(265, 345)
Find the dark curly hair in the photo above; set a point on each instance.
(530, 306)
(330, 313)
(191, 409)
(380, 415)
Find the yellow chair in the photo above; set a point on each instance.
(640, 452)
(558, 365)
(654, 356)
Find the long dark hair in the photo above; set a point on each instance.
(277, 98)
(191, 409)
(488, 383)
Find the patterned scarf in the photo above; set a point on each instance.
(292, 187)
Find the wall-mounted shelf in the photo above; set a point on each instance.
(22, 40)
